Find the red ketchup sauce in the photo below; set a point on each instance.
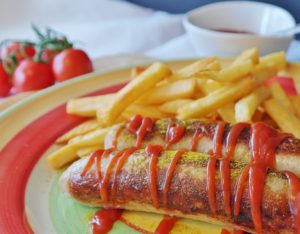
(119, 166)
(231, 141)
(294, 199)
(211, 166)
(225, 231)
(153, 152)
(140, 126)
(104, 220)
(195, 140)
(227, 30)
(169, 176)
(107, 174)
(174, 133)
(263, 143)
(118, 133)
(95, 157)
(166, 225)
(235, 231)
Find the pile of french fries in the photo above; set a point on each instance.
(209, 88)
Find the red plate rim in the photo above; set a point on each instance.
(19, 156)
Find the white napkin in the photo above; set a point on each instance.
(104, 27)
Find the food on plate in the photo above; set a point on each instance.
(215, 141)
(198, 136)
(68, 153)
(28, 66)
(186, 196)
(194, 185)
(217, 99)
(287, 83)
(169, 92)
(245, 108)
(126, 96)
(285, 120)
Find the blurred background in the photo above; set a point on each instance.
(108, 27)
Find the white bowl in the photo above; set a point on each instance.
(258, 18)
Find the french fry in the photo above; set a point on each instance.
(279, 95)
(277, 59)
(227, 113)
(86, 151)
(250, 54)
(95, 137)
(168, 92)
(68, 153)
(211, 63)
(207, 85)
(172, 106)
(264, 72)
(134, 89)
(81, 129)
(295, 100)
(217, 99)
(286, 121)
(240, 67)
(235, 72)
(88, 106)
(246, 107)
(145, 111)
(207, 74)
(62, 156)
(136, 71)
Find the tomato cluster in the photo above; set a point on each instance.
(27, 66)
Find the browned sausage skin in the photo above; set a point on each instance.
(187, 195)
(287, 152)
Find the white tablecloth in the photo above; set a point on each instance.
(104, 27)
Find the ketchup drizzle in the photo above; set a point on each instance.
(140, 126)
(263, 143)
(211, 166)
(153, 151)
(174, 133)
(119, 166)
(294, 199)
(235, 231)
(115, 140)
(94, 157)
(231, 141)
(195, 140)
(166, 224)
(169, 175)
(106, 177)
(104, 220)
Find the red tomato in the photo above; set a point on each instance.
(70, 63)
(48, 55)
(287, 83)
(30, 75)
(5, 84)
(15, 48)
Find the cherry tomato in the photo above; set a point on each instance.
(71, 63)
(287, 83)
(30, 75)
(16, 48)
(48, 55)
(5, 84)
